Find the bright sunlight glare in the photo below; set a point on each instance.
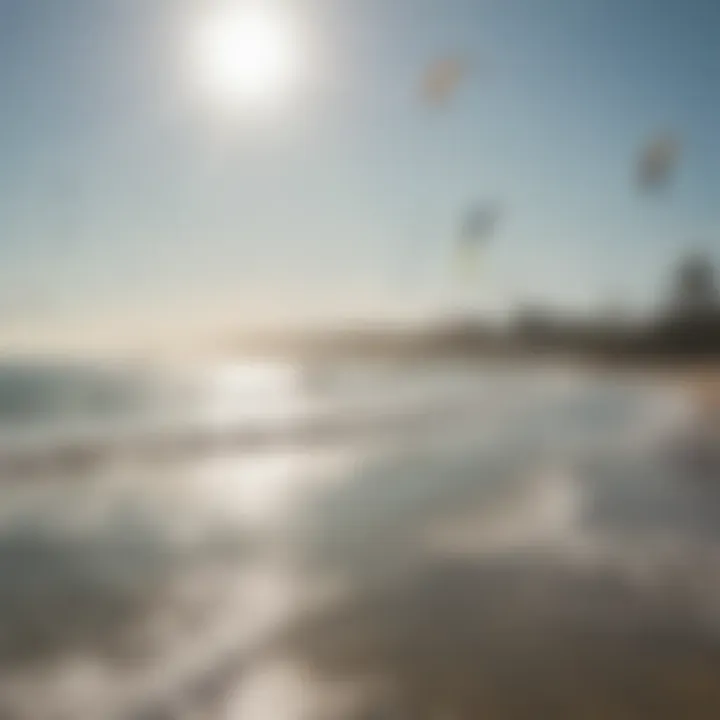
(247, 55)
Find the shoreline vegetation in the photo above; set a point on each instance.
(684, 331)
(651, 345)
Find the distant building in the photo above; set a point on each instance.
(695, 294)
(690, 327)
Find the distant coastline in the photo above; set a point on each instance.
(685, 329)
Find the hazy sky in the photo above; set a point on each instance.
(124, 184)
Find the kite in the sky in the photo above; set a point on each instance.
(477, 228)
(441, 80)
(657, 162)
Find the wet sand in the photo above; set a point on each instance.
(519, 638)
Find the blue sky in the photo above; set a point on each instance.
(123, 186)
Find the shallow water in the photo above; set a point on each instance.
(460, 535)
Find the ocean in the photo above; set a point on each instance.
(268, 541)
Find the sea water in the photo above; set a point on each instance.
(405, 539)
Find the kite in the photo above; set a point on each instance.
(477, 227)
(441, 81)
(657, 162)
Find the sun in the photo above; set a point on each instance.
(247, 55)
